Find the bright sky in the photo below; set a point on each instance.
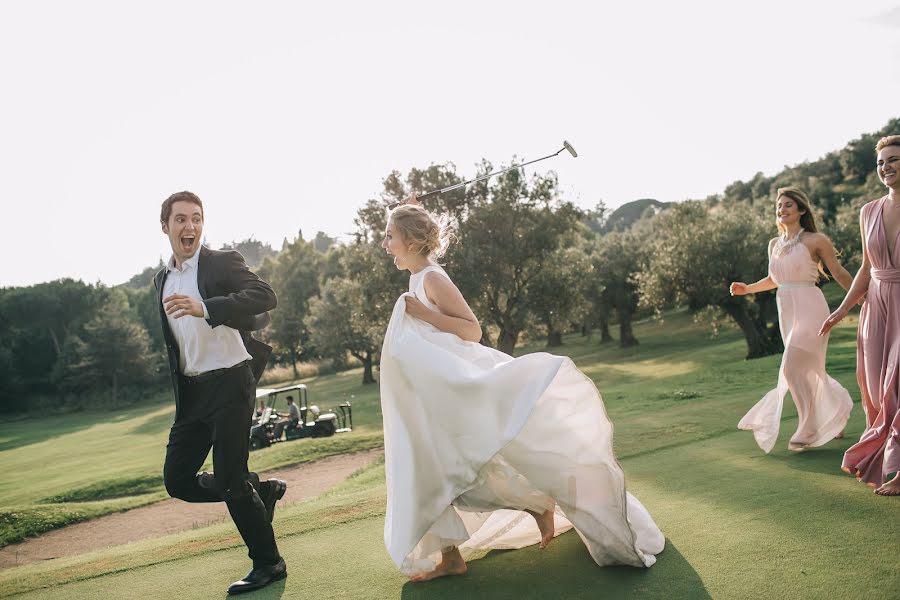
(286, 115)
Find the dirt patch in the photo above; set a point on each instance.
(170, 516)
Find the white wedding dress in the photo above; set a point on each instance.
(473, 437)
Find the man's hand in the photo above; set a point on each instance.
(180, 306)
(411, 199)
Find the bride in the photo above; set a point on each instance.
(483, 450)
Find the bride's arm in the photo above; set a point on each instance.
(453, 314)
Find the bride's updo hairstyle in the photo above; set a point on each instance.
(424, 233)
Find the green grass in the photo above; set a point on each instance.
(738, 523)
(59, 470)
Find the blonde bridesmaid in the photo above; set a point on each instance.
(877, 454)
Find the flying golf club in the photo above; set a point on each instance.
(566, 146)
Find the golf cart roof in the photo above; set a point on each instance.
(264, 392)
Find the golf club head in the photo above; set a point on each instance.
(569, 147)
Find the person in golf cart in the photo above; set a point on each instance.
(292, 421)
(262, 413)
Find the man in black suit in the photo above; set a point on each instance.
(209, 302)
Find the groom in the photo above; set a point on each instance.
(209, 302)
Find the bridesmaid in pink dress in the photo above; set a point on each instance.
(795, 258)
(877, 454)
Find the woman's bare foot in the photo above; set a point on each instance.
(795, 447)
(452, 563)
(546, 525)
(839, 436)
(891, 488)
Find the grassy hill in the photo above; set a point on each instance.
(738, 523)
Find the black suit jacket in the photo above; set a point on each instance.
(234, 296)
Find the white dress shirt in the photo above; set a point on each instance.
(201, 347)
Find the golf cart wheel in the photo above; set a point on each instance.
(324, 429)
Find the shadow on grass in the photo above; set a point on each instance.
(823, 460)
(110, 488)
(37, 429)
(564, 570)
(26, 432)
(273, 591)
(154, 425)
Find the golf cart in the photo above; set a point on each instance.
(312, 422)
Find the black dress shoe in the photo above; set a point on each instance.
(277, 488)
(259, 577)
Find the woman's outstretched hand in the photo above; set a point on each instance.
(835, 318)
(739, 288)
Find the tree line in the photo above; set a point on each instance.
(531, 264)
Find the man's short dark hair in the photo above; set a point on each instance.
(166, 210)
(290, 398)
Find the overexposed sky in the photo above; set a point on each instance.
(285, 115)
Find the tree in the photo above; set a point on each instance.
(695, 254)
(339, 322)
(617, 259)
(144, 278)
(371, 219)
(294, 274)
(112, 350)
(323, 242)
(857, 159)
(507, 233)
(253, 251)
(38, 319)
(10, 386)
(557, 295)
(845, 232)
(601, 307)
(507, 229)
(361, 284)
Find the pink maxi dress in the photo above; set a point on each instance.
(823, 404)
(877, 454)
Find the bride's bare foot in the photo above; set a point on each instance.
(839, 436)
(891, 488)
(452, 563)
(546, 525)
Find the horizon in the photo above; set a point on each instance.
(297, 114)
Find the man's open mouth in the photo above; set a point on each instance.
(187, 242)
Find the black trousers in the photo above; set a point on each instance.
(216, 414)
